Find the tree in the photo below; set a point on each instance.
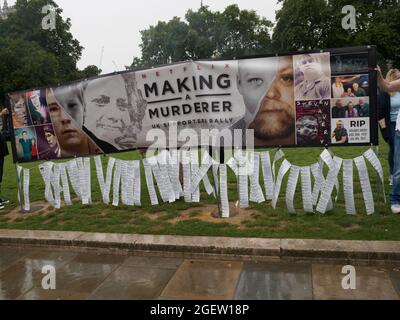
(164, 43)
(20, 70)
(89, 72)
(318, 25)
(242, 32)
(205, 34)
(300, 25)
(26, 23)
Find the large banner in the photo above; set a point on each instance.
(304, 99)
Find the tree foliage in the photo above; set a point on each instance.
(205, 34)
(31, 56)
(20, 70)
(318, 24)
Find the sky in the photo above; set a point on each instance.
(116, 24)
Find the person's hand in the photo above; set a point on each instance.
(4, 112)
(379, 70)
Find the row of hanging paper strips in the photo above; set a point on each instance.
(162, 172)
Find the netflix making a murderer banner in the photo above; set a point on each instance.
(303, 99)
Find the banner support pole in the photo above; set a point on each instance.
(379, 187)
(217, 215)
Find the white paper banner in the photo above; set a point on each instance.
(327, 189)
(194, 168)
(267, 174)
(150, 182)
(72, 169)
(291, 188)
(224, 191)
(116, 182)
(365, 184)
(278, 155)
(277, 189)
(306, 189)
(376, 164)
(46, 172)
(256, 193)
(348, 187)
(24, 187)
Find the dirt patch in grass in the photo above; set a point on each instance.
(38, 208)
(156, 215)
(353, 227)
(204, 213)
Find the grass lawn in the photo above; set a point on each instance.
(261, 220)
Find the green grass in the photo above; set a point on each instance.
(266, 222)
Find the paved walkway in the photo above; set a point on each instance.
(89, 274)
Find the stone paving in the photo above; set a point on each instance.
(93, 275)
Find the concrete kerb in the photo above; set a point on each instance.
(210, 246)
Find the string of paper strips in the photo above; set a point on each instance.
(239, 169)
(267, 174)
(291, 188)
(224, 191)
(84, 180)
(256, 193)
(25, 187)
(285, 166)
(150, 182)
(72, 170)
(165, 168)
(306, 189)
(46, 172)
(365, 184)
(201, 174)
(194, 168)
(329, 184)
(348, 186)
(376, 164)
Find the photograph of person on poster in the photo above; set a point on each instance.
(24, 143)
(117, 109)
(313, 119)
(71, 98)
(19, 112)
(312, 76)
(34, 150)
(48, 145)
(267, 88)
(340, 135)
(38, 109)
(338, 90)
(72, 140)
(362, 108)
(339, 109)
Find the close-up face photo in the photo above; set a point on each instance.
(276, 115)
(310, 66)
(107, 103)
(73, 141)
(307, 128)
(71, 99)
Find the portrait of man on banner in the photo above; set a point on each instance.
(267, 87)
(109, 110)
(48, 145)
